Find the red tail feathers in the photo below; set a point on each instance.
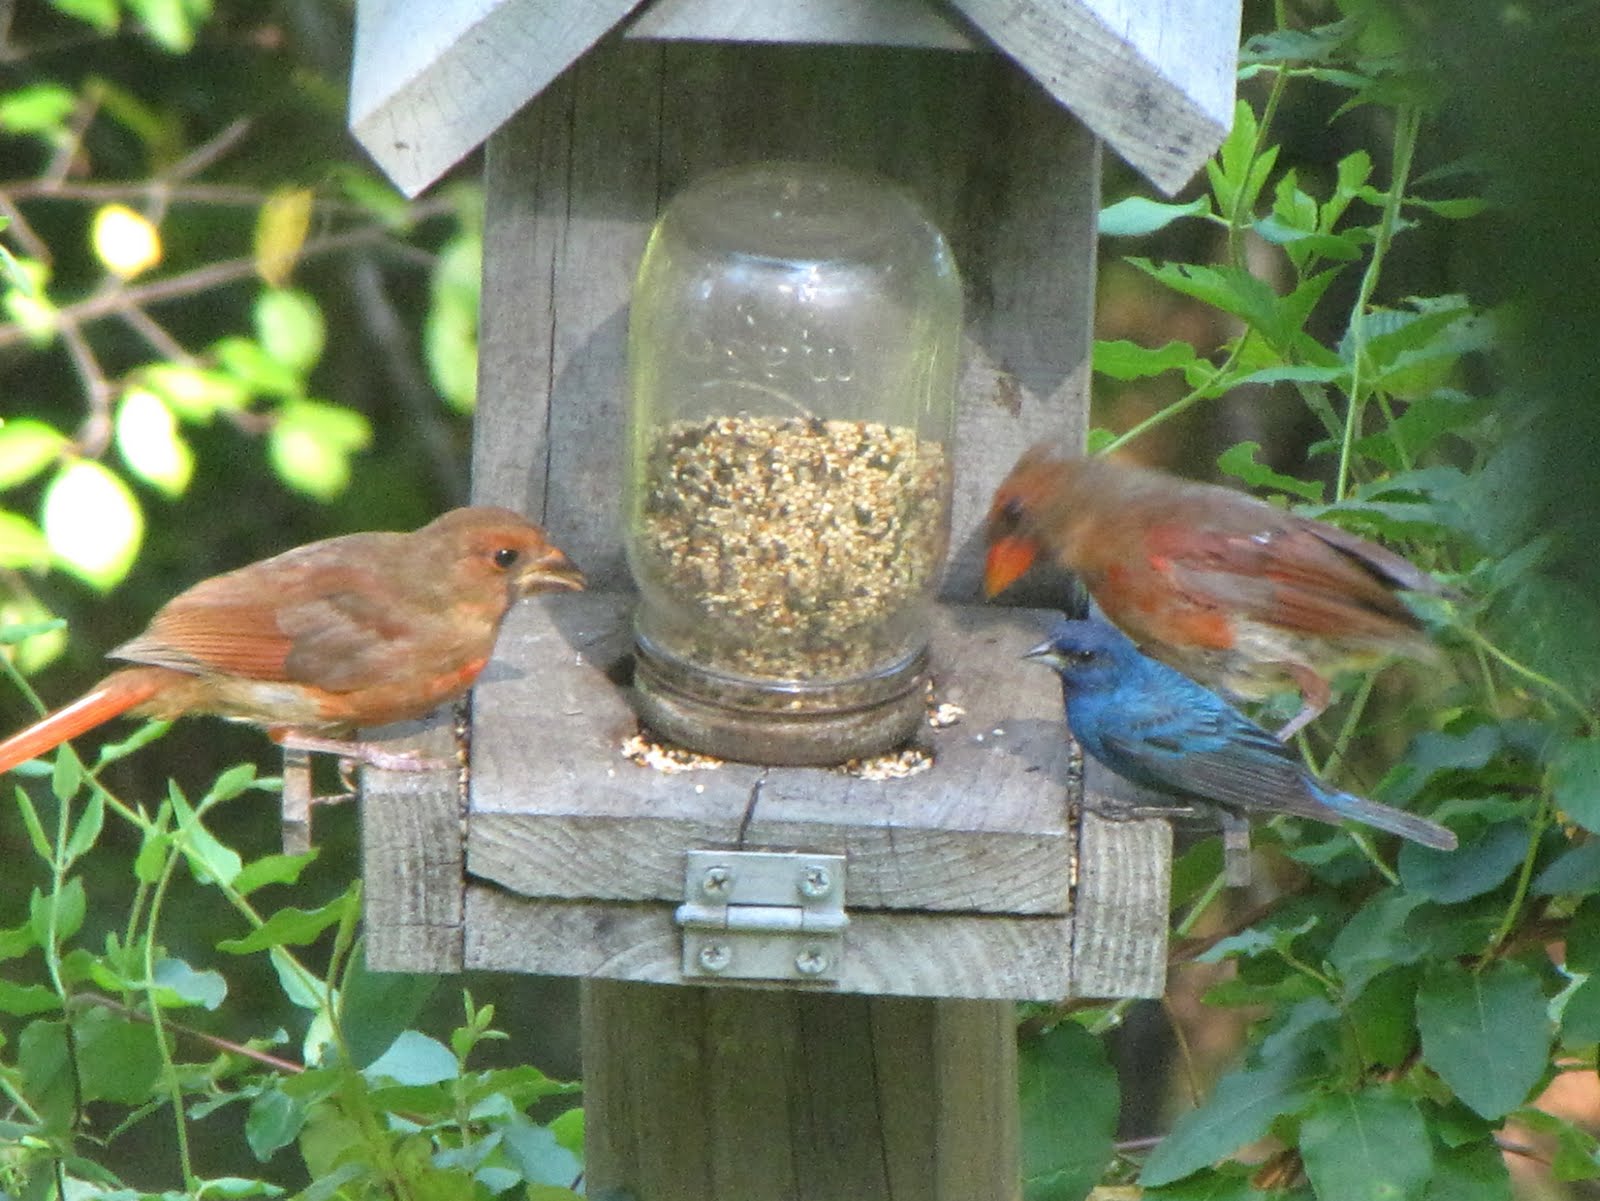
(113, 696)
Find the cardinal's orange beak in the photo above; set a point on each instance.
(1009, 556)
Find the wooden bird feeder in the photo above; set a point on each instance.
(798, 982)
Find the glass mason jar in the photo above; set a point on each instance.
(792, 349)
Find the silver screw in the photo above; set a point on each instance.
(716, 956)
(812, 961)
(717, 882)
(816, 881)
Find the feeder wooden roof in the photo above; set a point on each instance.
(1154, 79)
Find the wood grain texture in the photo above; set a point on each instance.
(429, 82)
(985, 830)
(1153, 78)
(887, 954)
(1119, 945)
(799, 1097)
(576, 180)
(412, 858)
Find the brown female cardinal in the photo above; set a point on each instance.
(1237, 594)
(354, 631)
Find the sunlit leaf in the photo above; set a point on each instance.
(281, 229)
(189, 985)
(93, 523)
(171, 24)
(311, 444)
(102, 14)
(1121, 359)
(22, 544)
(28, 303)
(1137, 215)
(1240, 460)
(27, 447)
(126, 242)
(39, 108)
(194, 393)
(450, 335)
(414, 1058)
(290, 327)
(147, 438)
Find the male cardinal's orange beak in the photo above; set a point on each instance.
(1009, 556)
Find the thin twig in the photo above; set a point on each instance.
(154, 333)
(287, 1066)
(202, 156)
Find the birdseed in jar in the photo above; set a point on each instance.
(796, 542)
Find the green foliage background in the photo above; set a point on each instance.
(222, 334)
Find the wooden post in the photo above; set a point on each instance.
(740, 1095)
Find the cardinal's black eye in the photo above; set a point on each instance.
(506, 556)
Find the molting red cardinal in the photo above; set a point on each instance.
(360, 630)
(1233, 592)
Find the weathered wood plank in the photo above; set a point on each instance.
(1119, 946)
(985, 830)
(977, 957)
(799, 1097)
(412, 861)
(816, 22)
(430, 82)
(1154, 78)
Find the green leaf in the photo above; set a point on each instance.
(414, 1059)
(102, 14)
(147, 438)
(290, 328)
(209, 859)
(1474, 1172)
(40, 108)
(255, 371)
(87, 830)
(539, 1155)
(171, 24)
(311, 444)
(1240, 460)
(1478, 867)
(1375, 940)
(375, 1007)
(93, 523)
(1128, 360)
(1575, 1149)
(1384, 1017)
(1366, 1146)
(272, 869)
(1136, 216)
(289, 927)
(1575, 781)
(205, 988)
(64, 909)
(35, 828)
(1070, 1102)
(24, 1000)
(1240, 1110)
(22, 544)
(1576, 870)
(26, 449)
(118, 1059)
(450, 333)
(1485, 1033)
(275, 1120)
(1237, 179)
(1583, 937)
(1580, 1016)
(195, 394)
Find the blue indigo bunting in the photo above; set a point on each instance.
(1158, 728)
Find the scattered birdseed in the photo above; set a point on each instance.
(944, 715)
(790, 547)
(896, 765)
(665, 757)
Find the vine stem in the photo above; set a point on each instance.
(1541, 822)
(1405, 144)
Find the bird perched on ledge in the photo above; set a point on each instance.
(1153, 726)
(360, 630)
(1242, 596)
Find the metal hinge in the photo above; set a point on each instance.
(763, 915)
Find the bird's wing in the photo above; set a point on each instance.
(316, 623)
(1289, 573)
(1215, 755)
